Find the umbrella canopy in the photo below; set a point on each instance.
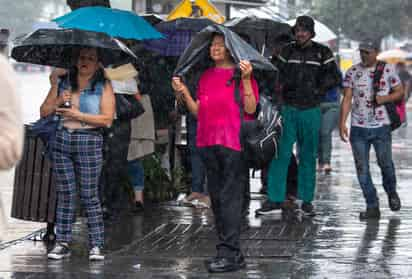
(393, 56)
(323, 33)
(114, 22)
(178, 34)
(261, 33)
(197, 53)
(55, 47)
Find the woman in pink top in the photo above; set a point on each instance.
(218, 116)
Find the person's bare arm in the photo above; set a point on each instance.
(407, 88)
(346, 106)
(52, 101)
(249, 97)
(396, 95)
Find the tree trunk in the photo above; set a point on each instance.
(75, 4)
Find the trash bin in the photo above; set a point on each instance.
(34, 195)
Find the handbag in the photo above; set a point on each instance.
(396, 110)
(128, 107)
(260, 137)
(45, 128)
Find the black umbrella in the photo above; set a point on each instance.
(55, 47)
(196, 55)
(185, 23)
(263, 34)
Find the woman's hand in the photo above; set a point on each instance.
(178, 85)
(72, 113)
(180, 88)
(246, 69)
(55, 74)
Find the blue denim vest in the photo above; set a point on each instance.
(89, 99)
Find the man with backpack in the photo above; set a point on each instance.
(368, 88)
(307, 71)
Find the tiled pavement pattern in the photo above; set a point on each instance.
(172, 242)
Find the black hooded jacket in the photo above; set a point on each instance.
(306, 73)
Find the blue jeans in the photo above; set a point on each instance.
(136, 174)
(361, 140)
(197, 165)
(329, 121)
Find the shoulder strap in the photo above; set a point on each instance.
(380, 66)
(238, 99)
(63, 83)
(377, 75)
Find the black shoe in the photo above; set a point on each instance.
(59, 251)
(269, 207)
(370, 213)
(394, 201)
(211, 260)
(239, 259)
(263, 190)
(226, 264)
(308, 209)
(138, 207)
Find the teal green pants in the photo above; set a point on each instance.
(302, 127)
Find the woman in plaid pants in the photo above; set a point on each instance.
(85, 100)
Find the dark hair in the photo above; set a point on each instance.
(73, 71)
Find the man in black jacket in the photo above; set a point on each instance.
(307, 71)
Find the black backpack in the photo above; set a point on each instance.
(260, 137)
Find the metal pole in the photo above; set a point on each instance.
(227, 10)
(149, 8)
(339, 16)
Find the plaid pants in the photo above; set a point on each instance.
(77, 158)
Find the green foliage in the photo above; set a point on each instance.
(365, 18)
(158, 185)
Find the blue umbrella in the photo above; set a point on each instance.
(113, 22)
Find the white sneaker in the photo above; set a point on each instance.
(96, 254)
(59, 251)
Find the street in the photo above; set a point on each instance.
(170, 241)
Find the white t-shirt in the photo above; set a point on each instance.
(11, 122)
(360, 79)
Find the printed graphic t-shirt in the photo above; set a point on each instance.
(360, 79)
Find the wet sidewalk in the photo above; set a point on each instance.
(172, 242)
